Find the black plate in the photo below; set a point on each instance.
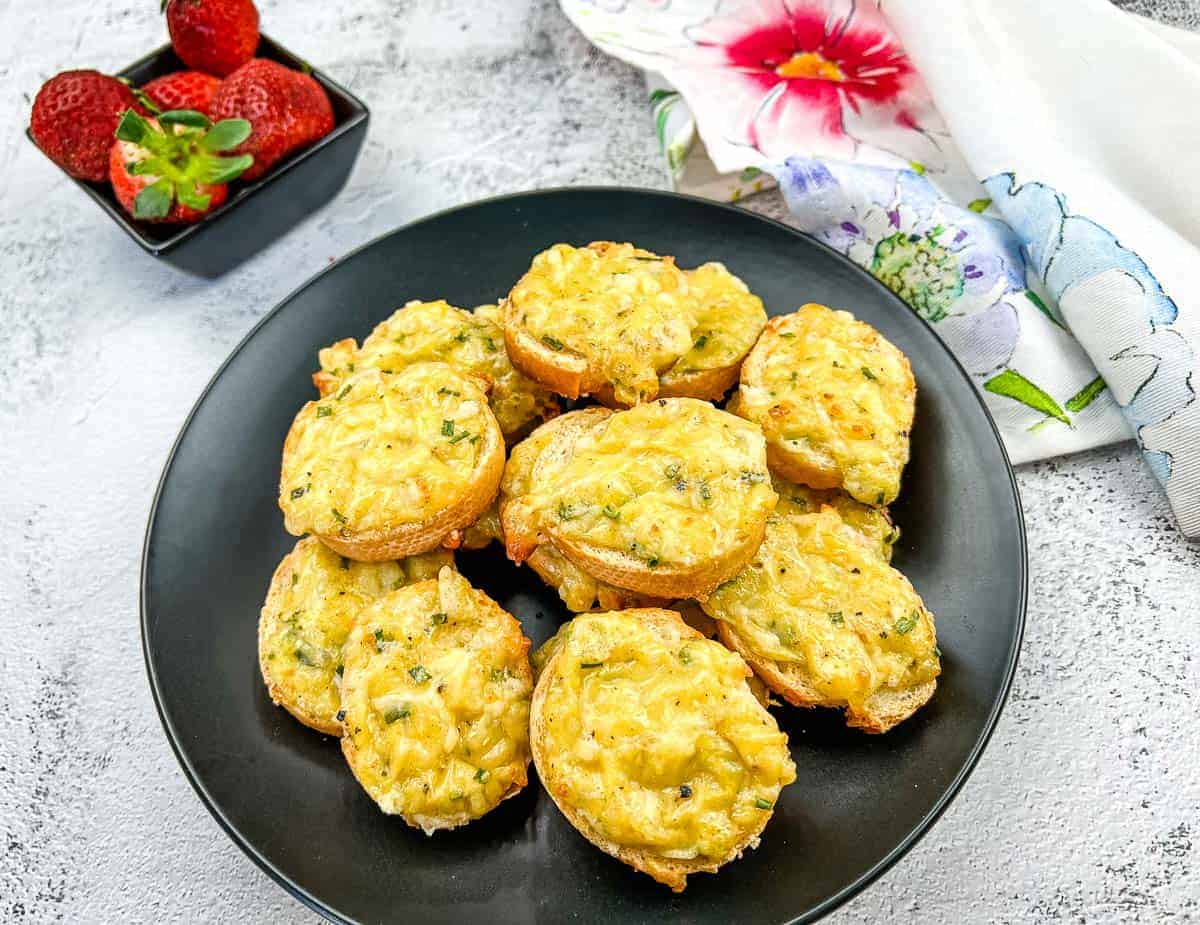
(282, 792)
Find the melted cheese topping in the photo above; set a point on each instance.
(310, 607)
(832, 391)
(654, 738)
(726, 319)
(471, 342)
(872, 523)
(673, 482)
(383, 450)
(436, 696)
(634, 316)
(817, 599)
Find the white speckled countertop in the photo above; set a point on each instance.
(1086, 805)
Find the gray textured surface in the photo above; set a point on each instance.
(1084, 807)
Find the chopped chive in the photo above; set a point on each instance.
(763, 804)
(298, 493)
(836, 618)
(447, 428)
(611, 512)
(323, 411)
(652, 562)
(499, 674)
(445, 391)
(870, 375)
(566, 511)
(684, 791)
(339, 670)
(685, 656)
(344, 392)
(396, 713)
(461, 336)
(482, 776)
(672, 471)
(437, 619)
(905, 624)
(787, 334)
(304, 658)
(754, 478)
(705, 493)
(590, 664)
(378, 640)
(459, 437)
(338, 515)
(552, 342)
(701, 341)
(419, 674)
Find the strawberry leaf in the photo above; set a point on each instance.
(133, 128)
(224, 169)
(185, 191)
(188, 117)
(154, 201)
(226, 134)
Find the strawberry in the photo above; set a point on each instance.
(73, 120)
(182, 90)
(287, 109)
(215, 36)
(169, 169)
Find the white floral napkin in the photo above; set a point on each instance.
(1017, 172)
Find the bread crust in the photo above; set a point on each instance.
(664, 582)
(673, 872)
(882, 711)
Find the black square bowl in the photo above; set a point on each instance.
(256, 213)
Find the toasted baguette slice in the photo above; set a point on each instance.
(670, 718)
(626, 325)
(392, 465)
(472, 342)
(435, 699)
(532, 460)
(667, 499)
(311, 604)
(825, 622)
(835, 400)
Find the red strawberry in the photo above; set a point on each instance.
(287, 109)
(215, 36)
(169, 169)
(182, 90)
(74, 117)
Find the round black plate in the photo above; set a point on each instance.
(282, 792)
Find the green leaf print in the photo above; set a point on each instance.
(1042, 307)
(919, 270)
(1011, 384)
(979, 205)
(1086, 395)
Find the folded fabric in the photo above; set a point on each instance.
(1036, 216)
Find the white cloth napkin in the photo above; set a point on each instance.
(1018, 172)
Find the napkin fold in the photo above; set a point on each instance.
(1016, 173)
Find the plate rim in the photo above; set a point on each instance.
(830, 903)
